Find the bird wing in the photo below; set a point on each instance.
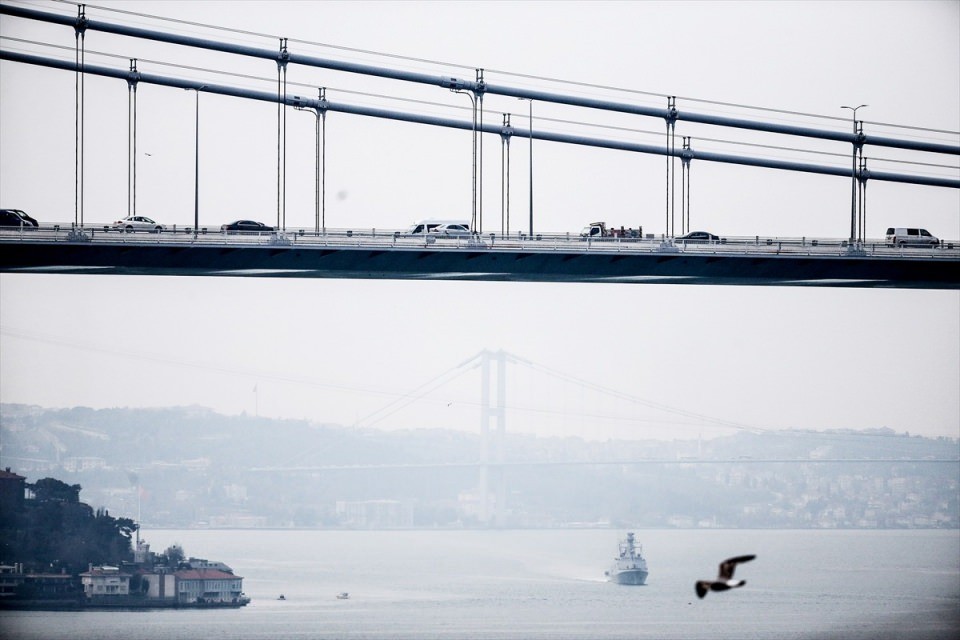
(727, 566)
(702, 587)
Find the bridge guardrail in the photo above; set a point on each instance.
(393, 238)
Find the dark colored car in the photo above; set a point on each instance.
(16, 218)
(699, 237)
(246, 225)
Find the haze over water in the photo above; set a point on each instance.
(550, 584)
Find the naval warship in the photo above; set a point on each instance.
(629, 567)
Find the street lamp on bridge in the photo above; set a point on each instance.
(196, 160)
(530, 117)
(857, 144)
(473, 102)
(320, 215)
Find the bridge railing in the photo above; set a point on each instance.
(517, 241)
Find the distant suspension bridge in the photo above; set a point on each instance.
(493, 460)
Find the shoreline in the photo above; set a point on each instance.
(123, 604)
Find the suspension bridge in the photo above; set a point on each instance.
(493, 458)
(89, 244)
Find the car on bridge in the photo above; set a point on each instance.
(698, 237)
(910, 237)
(458, 230)
(431, 225)
(246, 226)
(17, 218)
(138, 223)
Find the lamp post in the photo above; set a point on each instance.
(196, 161)
(473, 102)
(530, 118)
(320, 111)
(853, 174)
(531, 167)
(196, 166)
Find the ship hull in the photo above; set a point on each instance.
(632, 577)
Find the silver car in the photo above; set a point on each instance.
(910, 236)
(453, 230)
(138, 223)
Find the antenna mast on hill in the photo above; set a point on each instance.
(138, 514)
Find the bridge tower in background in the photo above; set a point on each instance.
(493, 416)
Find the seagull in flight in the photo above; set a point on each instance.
(725, 579)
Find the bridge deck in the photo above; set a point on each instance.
(546, 258)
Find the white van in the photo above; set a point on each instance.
(430, 225)
(910, 236)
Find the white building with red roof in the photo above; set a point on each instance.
(208, 586)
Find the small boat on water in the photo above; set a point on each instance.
(343, 595)
(282, 597)
(629, 567)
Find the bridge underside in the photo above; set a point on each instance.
(146, 258)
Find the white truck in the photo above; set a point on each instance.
(595, 230)
(600, 230)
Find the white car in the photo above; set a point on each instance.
(430, 225)
(458, 230)
(137, 223)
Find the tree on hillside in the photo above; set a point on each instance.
(56, 531)
(53, 490)
(113, 537)
(174, 554)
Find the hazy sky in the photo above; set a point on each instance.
(341, 350)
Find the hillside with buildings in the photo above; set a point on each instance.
(57, 552)
(191, 467)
